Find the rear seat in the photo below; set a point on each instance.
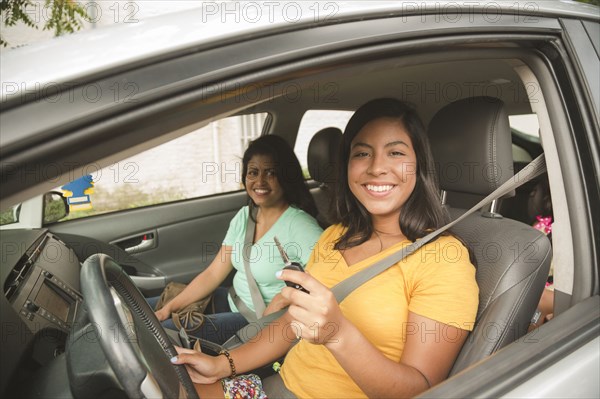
(323, 158)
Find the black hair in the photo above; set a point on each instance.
(287, 170)
(422, 211)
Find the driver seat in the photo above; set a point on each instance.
(472, 146)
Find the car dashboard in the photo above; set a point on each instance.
(40, 277)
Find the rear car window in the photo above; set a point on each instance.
(311, 123)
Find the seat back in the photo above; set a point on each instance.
(471, 144)
(323, 159)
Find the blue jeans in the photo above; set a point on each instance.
(218, 326)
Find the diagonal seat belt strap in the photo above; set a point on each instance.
(257, 299)
(345, 287)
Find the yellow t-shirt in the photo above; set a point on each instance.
(437, 282)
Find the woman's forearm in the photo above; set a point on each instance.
(272, 343)
(204, 283)
(200, 287)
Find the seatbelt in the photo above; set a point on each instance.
(241, 306)
(347, 286)
(257, 299)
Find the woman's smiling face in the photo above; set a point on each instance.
(382, 167)
(261, 182)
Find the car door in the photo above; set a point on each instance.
(561, 358)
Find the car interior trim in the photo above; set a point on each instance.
(285, 41)
(585, 56)
(561, 232)
(581, 188)
(575, 186)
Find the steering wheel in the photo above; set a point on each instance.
(131, 338)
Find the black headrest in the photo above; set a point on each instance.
(472, 145)
(323, 154)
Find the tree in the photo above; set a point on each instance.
(63, 16)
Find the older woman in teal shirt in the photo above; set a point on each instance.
(283, 207)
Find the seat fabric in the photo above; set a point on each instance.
(323, 158)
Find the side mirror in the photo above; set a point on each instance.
(10, 215)
(55, 207)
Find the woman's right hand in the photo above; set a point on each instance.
(163, 314)
(203, 369)
(316, 314)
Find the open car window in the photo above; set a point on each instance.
(204, 162)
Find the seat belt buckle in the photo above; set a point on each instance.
(185, 339)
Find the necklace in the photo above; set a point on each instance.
(400, 237)
(380, 241)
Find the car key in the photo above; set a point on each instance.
(289, 265)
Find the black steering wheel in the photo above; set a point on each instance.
(131, 338)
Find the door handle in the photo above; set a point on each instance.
(144, 245)
(138, 243)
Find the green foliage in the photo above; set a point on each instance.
(62, 16)
(14, 11)
(54, 208)
(306, 173)
(65, 16)
(7, 217)
(124, 197)
(594, 2)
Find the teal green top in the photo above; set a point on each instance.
(297, 232)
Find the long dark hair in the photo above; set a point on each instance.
(287, 170)
(422, 211)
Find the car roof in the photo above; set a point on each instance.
(183, 67)
(112, 48)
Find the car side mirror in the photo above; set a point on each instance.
(55, 207)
